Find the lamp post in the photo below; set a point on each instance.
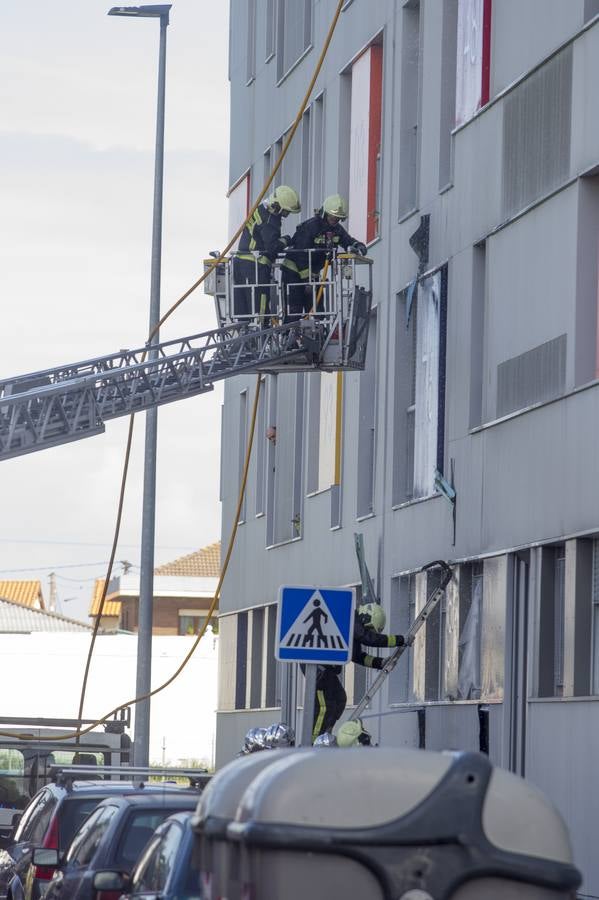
(141, 742)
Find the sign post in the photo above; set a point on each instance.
(314, 628)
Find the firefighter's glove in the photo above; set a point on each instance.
(285, 240)
(358, 247)
(399, 640)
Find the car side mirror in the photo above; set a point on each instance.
(44, 856)
(110, 881)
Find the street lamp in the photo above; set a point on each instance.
(141, 743)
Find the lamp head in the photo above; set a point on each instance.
(158, 11)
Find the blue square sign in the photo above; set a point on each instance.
(315, 625)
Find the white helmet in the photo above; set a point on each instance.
(286, 198)
(353, 734)
(336, 206)
(372, 615)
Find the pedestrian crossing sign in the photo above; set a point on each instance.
(315, 625)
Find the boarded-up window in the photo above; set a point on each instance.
(365, 144)
(419, 403)
(429, 402)
(435, 639)
(403, 606)
(536, 133)
(473, 57)
(470, 619)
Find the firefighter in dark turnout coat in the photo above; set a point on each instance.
(321, 234)
(330, 695)
(262, 233)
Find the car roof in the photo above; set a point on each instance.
(116, 787)
(184, 796)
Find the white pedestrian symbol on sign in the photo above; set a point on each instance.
(315, 627)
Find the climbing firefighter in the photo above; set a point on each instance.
(262, 233)
(331, 698)
(322, 234)
(350, 734)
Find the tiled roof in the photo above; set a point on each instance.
(26, 593)
(111, 607)
(203, 563)
(14, 617)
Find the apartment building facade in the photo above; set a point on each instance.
(475, 120)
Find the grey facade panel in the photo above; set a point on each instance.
(525, 33)
(554, 758)
(539, 374)
(536, 133)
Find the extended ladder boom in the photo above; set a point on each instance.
(70, 402)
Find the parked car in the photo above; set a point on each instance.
(112, 837)
(164, 868)
(50, 821)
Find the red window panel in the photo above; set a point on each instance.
(365, 143)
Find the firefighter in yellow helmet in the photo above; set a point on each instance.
(369, 622)
(262, 234)
(321, 234)
(353, 734)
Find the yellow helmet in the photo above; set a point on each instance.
(335, 206)
(352, 734)
(286, 198)
(372, 616)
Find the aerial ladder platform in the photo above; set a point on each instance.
(70, 402)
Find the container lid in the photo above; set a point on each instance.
(224, 791)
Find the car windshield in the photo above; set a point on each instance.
(73, 814)
(137, 833)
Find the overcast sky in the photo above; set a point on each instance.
(77, 130)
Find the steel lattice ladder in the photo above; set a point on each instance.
(67, 403)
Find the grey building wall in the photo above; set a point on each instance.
(513, 201)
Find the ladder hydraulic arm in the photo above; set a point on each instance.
(63, 404)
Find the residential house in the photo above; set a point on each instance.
(183, 592)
